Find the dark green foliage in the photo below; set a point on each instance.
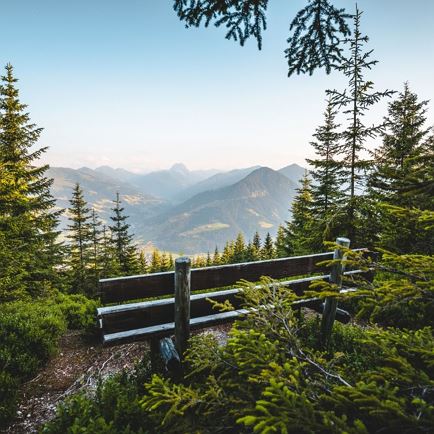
(356, 101)
(316, 40)
(28, 246)
(96, 250)
(78, 311)
(29, 334)
(124, 250)
(403, 141)
(317, 29)
(239, 254)
(79, 234)
(281, 243)
(108, 263)
(300, 230)
(268, 251)
(403, 175)
(242, 18)
(404, 296)
(327, 174)
(115, 409)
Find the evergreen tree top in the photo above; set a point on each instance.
(316, 31)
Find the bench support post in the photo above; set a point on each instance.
(182, 303)
(331, 303)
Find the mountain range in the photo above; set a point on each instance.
(186, 211)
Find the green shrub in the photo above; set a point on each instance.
(115, 408)
(29, 336)
(78, 310)
(8, 395)
(29, 333)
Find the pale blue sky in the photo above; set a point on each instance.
(124, 83)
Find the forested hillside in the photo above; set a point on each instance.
(197, 219)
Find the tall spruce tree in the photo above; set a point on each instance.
(216, 257)
(327, 172)
(280, 243)
(402, 175)
(155, 264)
(403, 141)
(79, 234)
(239, 253)
(356, 101)
(327, 169)
(27, 218)
(143, 263)
(268, 251)
(124, 249)
(300, 229)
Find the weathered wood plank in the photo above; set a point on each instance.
(168, 329)
(182, 303)
(160, 284)
(149, 313)
(331, 303)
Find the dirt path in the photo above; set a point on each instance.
(78, 365)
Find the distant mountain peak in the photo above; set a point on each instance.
(180, 168)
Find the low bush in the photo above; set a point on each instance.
(29, 336)
(29, 333)
(78, 311)
(115, 408)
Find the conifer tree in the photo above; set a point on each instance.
(280, 245)
(249, 252)
(356, 101)
(401, 175)
(27, 218)
(165, 262)
(171, 263)
(403, 140)
(239, 249)
(252, 252)
(124, 249)
(257, 241)
(316, 30)
(256, 247)
(143, 264)
(79, 234)
(208, 260)
(268, 251)
(326, 167)
(155, 265)
(228, 253)
(299, 238)
(216, 257)
(109, 264)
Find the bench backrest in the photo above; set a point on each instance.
(123, 289)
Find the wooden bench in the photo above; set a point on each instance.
(170, 292)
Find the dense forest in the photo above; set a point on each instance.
(273, 373)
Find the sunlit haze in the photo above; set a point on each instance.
(125, 84)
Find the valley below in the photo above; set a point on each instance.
(183, 211)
